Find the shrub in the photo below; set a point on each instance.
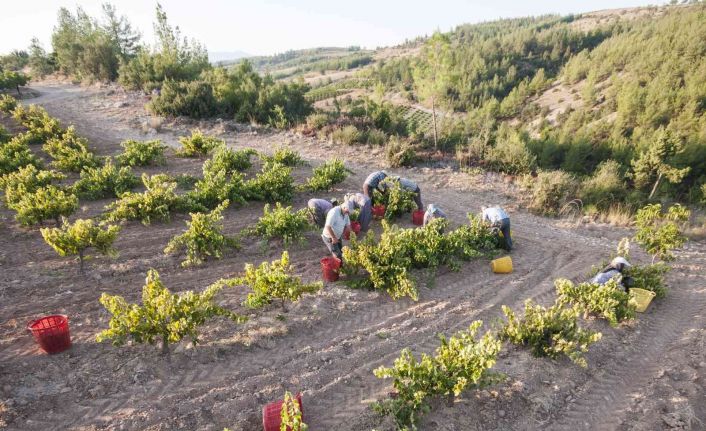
(273, 184)
(397, 200)
(608, 300)
(16, 154)
(4, 135)
(604, 187)
(327, 175)
(41, 126)
(197, 145)
(229, 160)
(347, 135)
(106, 181)
(549, 331)
(285, 156)
(70, 152)
(163, 315)
(44, 203)
(158, 201)
(192, 99)
(7, 103)
(272, 281)
(73, 239)
(649, 277)
(550, 191)
(375, 137)
(203, 237)
(314, 121)
(389, 259)
(137, 153)
(510, 155)
(658, 232)
(26, 180)
(399, 153)
(217, 187)
(459, 363)
(281, 222)
(291, 414)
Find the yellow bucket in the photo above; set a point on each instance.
(642, 298)
(501, 265)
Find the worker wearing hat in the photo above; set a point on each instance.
(616, 269)
(433, 212)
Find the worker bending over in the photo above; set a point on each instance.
(372, 183)
(615, 270)
(365, 205)
(319, 208)
(431, 213)
(337, 221)
(497, 218)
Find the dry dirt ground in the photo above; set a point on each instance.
(646, 375)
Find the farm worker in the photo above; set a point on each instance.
(614, 270)
(372, 183)
(337, 221)
(433, 212)
(319, 208)
(411, 186)
(498, 218)
(365, 205)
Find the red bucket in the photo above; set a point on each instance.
(329, 267)
(272, 414)
(51, 333)
(418, 217)
(355, 226)
(378, 211)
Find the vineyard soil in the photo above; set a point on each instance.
(646, 375)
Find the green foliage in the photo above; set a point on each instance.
(510, 154)
(16, 154)
(142, 153)
(271, 281)
(7, 103)
(281, 222)
(655, 162)
(72, 239)
(48, 202)
(26, 180)
(604, 187)
(70, 152)
(285, 156)
(649, 277)
(549, 331)
(291, 415)
(87, 49)
(609, 300)
(39, 61)
(203, 238)
(12, 80)
(327, 175)
(550, 191)
(273, 184)
(173, 58)
(163, 316)
(41, 126)
(460, 362)
(660, 233)
(197, 145)
(347, 135)
(397, 200)
(229, 160)
(157, 202)
(216, 187)
(106, 181)
(399, 153)
(389, 259)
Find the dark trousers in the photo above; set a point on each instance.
(418, 199)
(335, 249)
(505, 229)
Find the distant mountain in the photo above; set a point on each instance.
(219, 56)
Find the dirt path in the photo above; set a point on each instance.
(328, 344)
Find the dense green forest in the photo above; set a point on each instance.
(634, 130)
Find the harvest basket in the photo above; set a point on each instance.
(51, 333)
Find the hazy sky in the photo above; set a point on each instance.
(271, 26)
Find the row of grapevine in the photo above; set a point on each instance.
(464, 362)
